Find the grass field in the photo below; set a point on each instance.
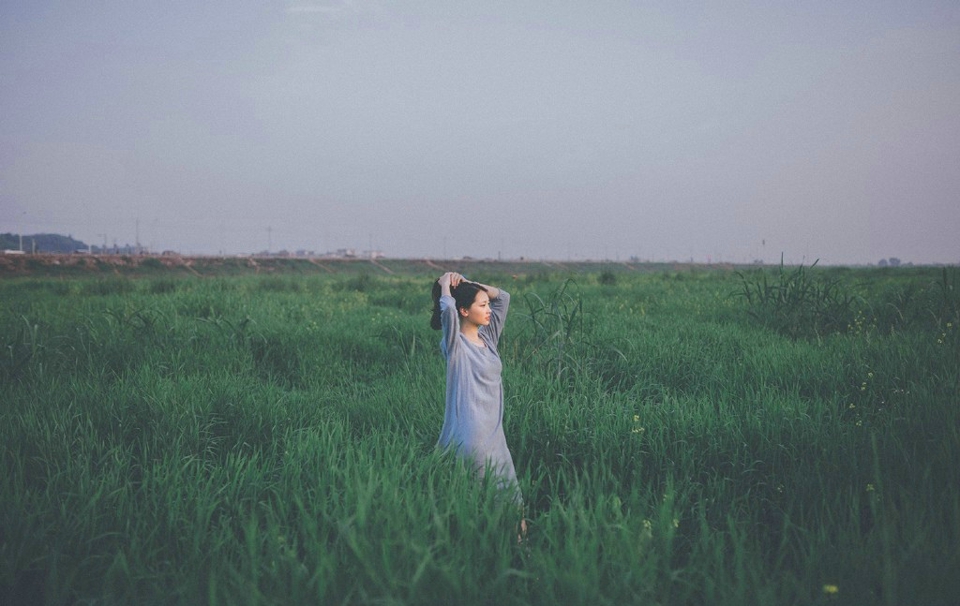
(683, 436)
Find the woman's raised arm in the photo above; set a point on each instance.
(492, 291)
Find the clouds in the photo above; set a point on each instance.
(324, 10)
(676, 130)
(313, 9)
(319, 18)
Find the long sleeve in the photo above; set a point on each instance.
(473, 409)
(498, 316)
(450, 325)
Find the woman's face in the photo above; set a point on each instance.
(479, 312)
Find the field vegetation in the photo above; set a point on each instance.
(779, 435)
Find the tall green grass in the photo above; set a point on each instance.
(269, 440)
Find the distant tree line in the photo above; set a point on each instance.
(51, 243)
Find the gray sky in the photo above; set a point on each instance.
(566, 130)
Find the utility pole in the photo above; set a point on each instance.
(269, 238)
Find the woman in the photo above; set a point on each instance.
(471, 316)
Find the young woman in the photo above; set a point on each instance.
(471, 316)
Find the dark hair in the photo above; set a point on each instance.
(464, 294)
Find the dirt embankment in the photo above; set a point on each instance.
(92, 265)
(86, 265)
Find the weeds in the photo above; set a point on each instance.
(949, 303)
(279, 284)
(557, 330)
(607, 278)
(21, 349)
(797, 303)
(200, 444)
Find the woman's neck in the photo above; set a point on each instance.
(470, 331)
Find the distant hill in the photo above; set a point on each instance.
(52, 243)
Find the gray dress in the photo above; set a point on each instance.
(473, 416)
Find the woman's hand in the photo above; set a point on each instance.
(451, 279)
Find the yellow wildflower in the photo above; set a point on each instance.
(830, 589)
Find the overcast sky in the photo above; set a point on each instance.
(562, 130)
